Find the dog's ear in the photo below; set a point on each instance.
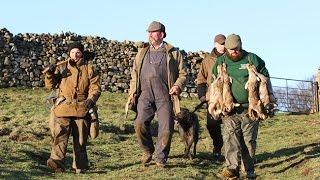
(184, 112)
(178, 116)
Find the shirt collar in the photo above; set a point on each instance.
(161, 45)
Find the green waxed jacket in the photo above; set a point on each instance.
(238, 72)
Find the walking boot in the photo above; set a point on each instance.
(55, 166)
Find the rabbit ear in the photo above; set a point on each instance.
(246, 85)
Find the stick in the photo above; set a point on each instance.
(58, 64)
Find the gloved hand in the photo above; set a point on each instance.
(269, 108)
(51, 68)
(89, 103)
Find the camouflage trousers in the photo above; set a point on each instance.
(61, 130)
(240, 135)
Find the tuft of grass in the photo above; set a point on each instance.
(288, 145)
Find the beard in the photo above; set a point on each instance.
(235, 57)
(154, 42)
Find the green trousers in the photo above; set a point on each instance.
(240, 135)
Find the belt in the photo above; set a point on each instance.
(240, 109)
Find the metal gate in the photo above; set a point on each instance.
(296, 96)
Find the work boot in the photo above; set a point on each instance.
(161, 164)
(79, 171)
(56, 167)
(229, 173)
(251, 175)
(218, 157)
(146, 158)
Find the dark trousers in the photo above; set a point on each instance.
(214, 128)
(63, 127)
(145, 113)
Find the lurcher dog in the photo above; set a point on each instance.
(188, 126)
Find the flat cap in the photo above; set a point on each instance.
(157, 26)
(233, 41)
(220, 38)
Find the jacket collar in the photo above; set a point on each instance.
(72, 64)
(215, 53)
(168, 47)
(161, 45)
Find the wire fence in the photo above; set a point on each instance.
(297, 96)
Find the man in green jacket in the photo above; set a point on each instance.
(157, 78)
(240, 132)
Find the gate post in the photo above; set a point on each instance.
(316, 96)
(316, 88)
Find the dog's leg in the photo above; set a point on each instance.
(194, 148)
(190, 142)
(195, 141)
(186, 145)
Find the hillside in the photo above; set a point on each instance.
(288, 145)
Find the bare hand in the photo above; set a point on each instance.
(203, 98)
(175, 90)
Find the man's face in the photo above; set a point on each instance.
(234, 54)
(220, 47)
(155, 37)
(75, 54)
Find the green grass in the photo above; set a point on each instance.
(288, 145)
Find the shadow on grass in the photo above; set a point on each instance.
(126, 128)
(296, 156)
(110, 128)
(202, 160)
(36, 168)
(109, 168)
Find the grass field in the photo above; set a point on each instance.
(288, 145)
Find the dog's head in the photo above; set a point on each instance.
(183, 116)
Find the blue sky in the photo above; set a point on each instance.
(285, 33)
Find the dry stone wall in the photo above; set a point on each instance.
(24, 56)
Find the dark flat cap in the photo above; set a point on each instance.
(220, 38)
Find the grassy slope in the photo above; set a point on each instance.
(288, 146)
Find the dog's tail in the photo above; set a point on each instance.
(199, 106)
